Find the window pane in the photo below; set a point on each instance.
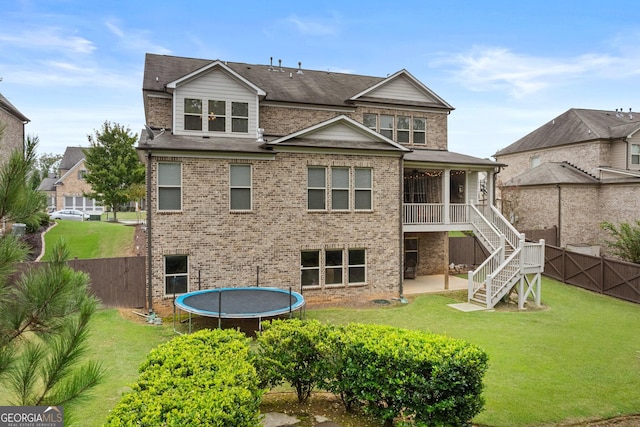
(218, 108)
(386, 122)
(169, 198)
(240, 198)
(340, 178)
(418, 138)
(310, 277)
(357, 275)
(176, 284)
(403, 136)
(370, 120)
(363, 178)
(316, 199)
(239, 125)
(316, 177)
(192, 106)
(403, 122)
(175, 264)
(241, 175)
(310, 258)
(411, 244)
(240, 109)
(217, 124)
(192, 122)
(356, 256)
(169, 173)
(419, 124)
(363, 199)
(333, 258)
(340, 199)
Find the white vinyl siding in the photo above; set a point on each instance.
(401, 89)
(215, 86)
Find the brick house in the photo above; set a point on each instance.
(13, 135)
(334, 184)
(66, 190)
(579, 169)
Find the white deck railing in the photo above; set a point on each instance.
(434, 213)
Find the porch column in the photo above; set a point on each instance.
(491, 191)
(446, 195)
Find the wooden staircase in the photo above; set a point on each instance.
(512, 261)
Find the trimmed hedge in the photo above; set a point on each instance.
(390, 372)
(293, 351)
(206, 378)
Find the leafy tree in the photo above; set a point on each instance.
(627, 240)
(45, 164)
(113, 166)
(44, 313)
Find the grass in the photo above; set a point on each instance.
(90, 239)
(577, 360)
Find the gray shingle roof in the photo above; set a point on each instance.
(71, 156)
(576, 126)
(552, 173)
(309, 87)
(5, 104)
(447, 157)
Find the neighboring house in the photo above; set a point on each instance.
(333, 184)
(579, 169)
(67, 189)
(13, 135)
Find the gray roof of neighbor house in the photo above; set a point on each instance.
(6, 105)
(71, 157)
(288, 85)
(552, 173)
(48, 184)
(576, 126)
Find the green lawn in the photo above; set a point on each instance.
(578, 359)
(90, 239)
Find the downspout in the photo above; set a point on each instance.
(558, 231)
(149, 251)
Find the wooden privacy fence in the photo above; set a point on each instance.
(118, 282)
(466, 251)
(610, 277)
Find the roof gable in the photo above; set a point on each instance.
(401, 86)
(338, 132)
(71, 157)
(577, 126)
(210, 68)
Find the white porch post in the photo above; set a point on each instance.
(491, 191)
(446, 195)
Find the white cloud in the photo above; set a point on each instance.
(495, 68)
(135, 40)
(315, 27)
(49, 38)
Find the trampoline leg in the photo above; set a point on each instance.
(189, 322)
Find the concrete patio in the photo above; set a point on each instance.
(432, 283)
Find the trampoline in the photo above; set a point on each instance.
(239, 303)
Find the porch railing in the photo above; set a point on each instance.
(434, 213)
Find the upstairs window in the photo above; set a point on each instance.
(370, 121)
(169, 186)
(404, 123)
(419, 130)
(363, 189)
(316, 188)
(240, 117)
(635, 154)
(217, 116)
(240, 187)
(82, 174)
(340, 188)
(386, 126)
(192, 114)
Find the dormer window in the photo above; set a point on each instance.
(240, 117)
(192, 114)
(217, 116)
(635, 154)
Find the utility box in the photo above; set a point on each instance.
(95, 217)
(18, 229)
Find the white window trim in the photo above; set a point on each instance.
(165, 275)
(158, 186)
(348, 189)
(356, 189)
(325, 188)
(250, 187)
(349, 265)
(322, 268)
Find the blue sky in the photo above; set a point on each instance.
(506, 66)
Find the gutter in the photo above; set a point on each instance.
(149, 251)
